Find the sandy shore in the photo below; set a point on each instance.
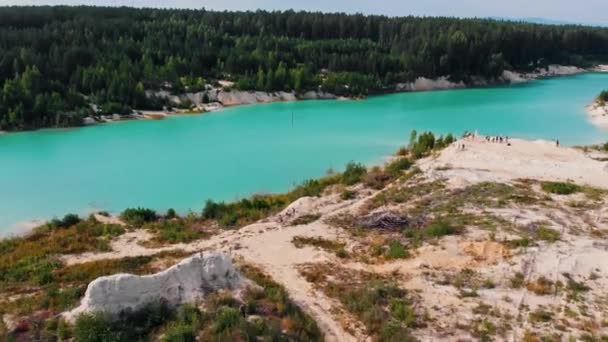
(598, 115)
(600, 68)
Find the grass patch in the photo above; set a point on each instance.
(137, 217)
(574, 288)
(439, 229)
(560, 188)
(327, 245)
(546, 234)
(249, 210)
(348, 195)
(174, 231)
(30, 261)
(396, 250)
(353, 173)
(540, 316)
(305, 219)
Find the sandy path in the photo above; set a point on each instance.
(267, 245)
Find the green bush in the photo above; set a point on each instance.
(353, 173)
(348, 195)
(179, 332)
(228, 318)
(95, 328)
(376, 178)
(67, 221)
(397, 251)
(403, 312)
(115, 108)
(560, 188)
(170, 214)
(439, 229)
(137, 217)
(546, 234)
(394, 169)
(603, 96)
(134, 326)
(174, 231)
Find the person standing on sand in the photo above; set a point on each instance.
(557, 143)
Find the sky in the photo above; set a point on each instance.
(594, 12)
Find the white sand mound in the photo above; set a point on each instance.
(187, 282)
(485, 161)
(598, 115)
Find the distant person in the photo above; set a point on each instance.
(557, 143)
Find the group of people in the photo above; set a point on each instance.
(498, 139)
(492, 139)
(473, 136)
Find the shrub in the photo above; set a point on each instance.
(170, 214)
(137, 217)
(397, 251)
(403, 312)
(67, 221)
(376, 178)
(353, 173)
(391, 332)
(394, 169)
(541, 316)
(110, 108)
(546, 234)
(439, 229)
(134, 326)
(603, 96)
(95, 328)
(179, 332)
(174, 231)
(342, 253)
(560, 188)
(227, 318)
(305, 219)
(542, 286)
(348, 195)
(517, 281)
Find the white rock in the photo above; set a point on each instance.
(89, 121)
(187, 282)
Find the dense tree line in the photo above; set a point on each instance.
(56, 61)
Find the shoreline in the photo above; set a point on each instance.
(529, 150)
(233, 98)
(598, 115)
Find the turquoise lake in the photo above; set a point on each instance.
(183, 161)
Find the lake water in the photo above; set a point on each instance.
(182, 161)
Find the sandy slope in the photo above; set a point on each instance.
(598, 115)
(542, 160)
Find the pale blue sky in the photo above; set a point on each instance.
(581, 11)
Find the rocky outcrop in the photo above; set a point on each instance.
(233, 98)
(317, 95)
(600, 68)
(426, 84)
(550, 71)
(187, 282)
